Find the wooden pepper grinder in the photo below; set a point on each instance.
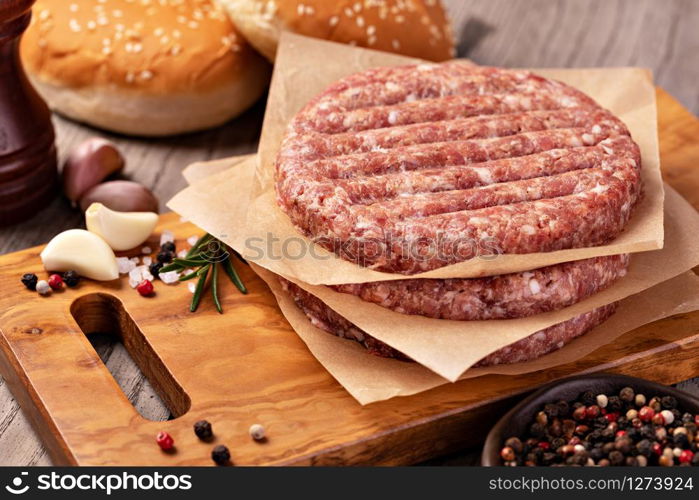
(28, 174)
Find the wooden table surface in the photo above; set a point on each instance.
(658, 34)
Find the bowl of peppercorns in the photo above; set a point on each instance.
(598, 420)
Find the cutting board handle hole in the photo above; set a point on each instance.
(101, 313)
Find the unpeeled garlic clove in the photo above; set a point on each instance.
(81, 251)
(89, 164)
(121, 230)
(122, 196)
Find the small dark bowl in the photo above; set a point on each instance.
(516, 421)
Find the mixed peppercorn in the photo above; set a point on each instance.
(598, 429)
(54, 282)
(220, 454)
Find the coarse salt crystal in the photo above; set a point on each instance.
(193, 239)
(147, 261)
(170, 277)
(146, 275)
(125, 265)
(192, 286)
(182, 254)
(135, 276)
(146, 250)
(166, 237)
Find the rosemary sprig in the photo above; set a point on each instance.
(207, 254)
(203, 272)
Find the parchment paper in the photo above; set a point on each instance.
(628, 92)
(371, 378)
(449, 348)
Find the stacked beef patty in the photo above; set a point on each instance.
(408, 169)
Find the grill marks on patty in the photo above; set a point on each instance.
(468, 150)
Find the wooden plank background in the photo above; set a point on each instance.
(658, 34)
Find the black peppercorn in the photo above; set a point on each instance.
(643, 447)
(563, 408)
(155, 268)
(596, 454)
(537, 430)
(614, 404)
(71, 278)
(647, 432)
(681, 440)
(668, 403)
(168, 246)
(616, 458)
(220, 455)
(551, 410)
(165, 257)
(627, 394)
(588, 398)
(203, 430)
(30, 280)
(687, 417)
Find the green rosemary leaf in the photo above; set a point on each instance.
(199, 289)
(189, 276)
(233, 275)
(171, 267)
(214, 288)
(195, 248)
(190, 262)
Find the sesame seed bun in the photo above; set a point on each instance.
(417, 28)
(142, 67)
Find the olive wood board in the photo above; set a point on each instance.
(248, 366)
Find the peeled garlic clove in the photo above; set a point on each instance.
(81, 251)
(122, 196)
(89, 164)
(121, 230)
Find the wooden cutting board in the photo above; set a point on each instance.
(248, 366)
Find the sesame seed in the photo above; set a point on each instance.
(357, 7)
(360, 21)
(193, 24)
(91, 25)
(334, 20)
(74, 25)
(395, 44)
(106, 50)
(371, 30)
(158, 31)
(129, 77)
(349, 12)
(146, 74)
(300, 9)
(164, 39)
(73, 7)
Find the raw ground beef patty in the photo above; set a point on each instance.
(407, 169)
(527, 349)
(514, 295)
